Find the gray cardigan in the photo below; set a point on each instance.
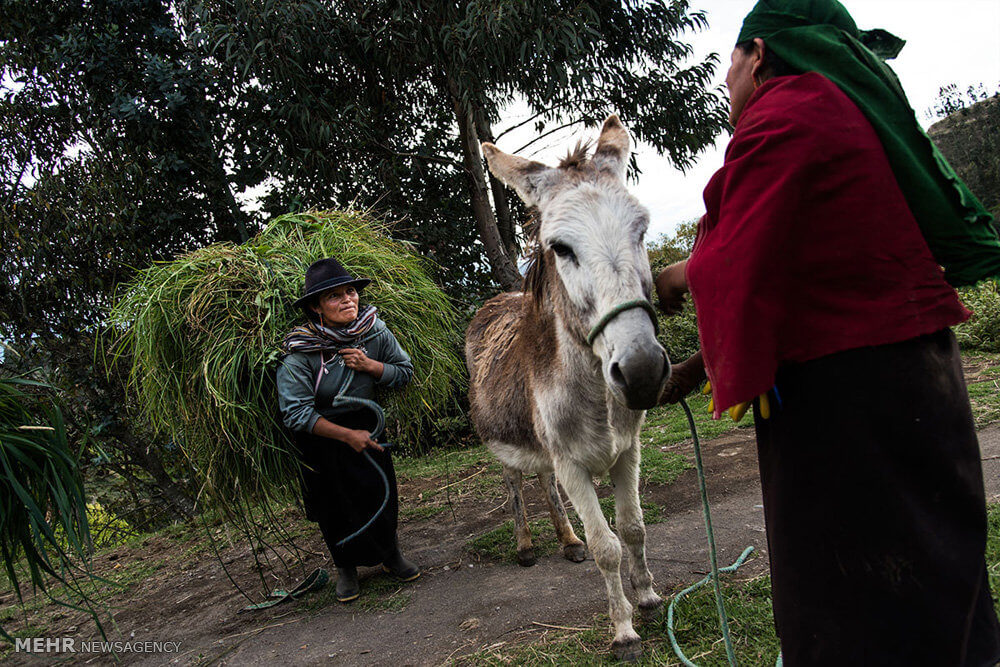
(296, 378)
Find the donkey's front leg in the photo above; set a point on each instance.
(513, 479)
(628, 521)
(607, 553)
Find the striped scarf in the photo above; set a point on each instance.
(313, 337)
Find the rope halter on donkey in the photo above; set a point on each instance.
(618, 310)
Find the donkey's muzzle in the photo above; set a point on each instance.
(639, 376)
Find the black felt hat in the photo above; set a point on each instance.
(326, 274)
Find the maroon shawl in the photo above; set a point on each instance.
(808, 246)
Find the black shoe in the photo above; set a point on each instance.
(400, 568)
(347, 584)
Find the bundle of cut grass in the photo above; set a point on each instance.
(202, 334)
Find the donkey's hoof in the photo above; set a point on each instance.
(575, 552)
(526, 557)
(650, 609)
(627, 650)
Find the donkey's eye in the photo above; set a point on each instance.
(563, 250)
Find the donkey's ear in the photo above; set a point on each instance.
(612, 147)
(527, 177)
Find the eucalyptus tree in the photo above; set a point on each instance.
(383, 98)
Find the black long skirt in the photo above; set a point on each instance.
(342, 490)
(875, 512)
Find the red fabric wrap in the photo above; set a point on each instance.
(807, 247)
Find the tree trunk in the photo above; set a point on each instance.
(501, 264)
(505, 221)
(231, 222)
(173, 495)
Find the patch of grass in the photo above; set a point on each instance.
(984, 390)
(651, 512)
(421, 512)
(748, 604)
(658, 467)
(751, 625)
(667, 424)
(378, 593)
(28, 631)
(460, 472)
(500, 545)
(442, 462)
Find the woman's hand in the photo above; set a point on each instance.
(685, 377)
(357, 360)
(357, 440)
(360, 441)
(671, 286)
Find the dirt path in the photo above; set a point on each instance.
(458, 607)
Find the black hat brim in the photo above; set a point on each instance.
(359, 284)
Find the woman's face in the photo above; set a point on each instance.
(739, 79)
(337, 306)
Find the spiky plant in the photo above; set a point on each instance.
(202, 335)
(43, 522)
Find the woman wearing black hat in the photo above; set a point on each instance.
(342, 490)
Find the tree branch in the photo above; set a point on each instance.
(552, 131)
(429, 158)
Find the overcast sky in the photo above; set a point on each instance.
(957, 41)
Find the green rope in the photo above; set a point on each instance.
(342, 399)
(316, 580)
(714, 576)
(618, 310)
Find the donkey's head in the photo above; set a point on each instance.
(591, 266)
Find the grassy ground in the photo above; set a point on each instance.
(984, 387)
(499, 543)
(450, 476)
(748, 605)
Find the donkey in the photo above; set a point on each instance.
(561, 373)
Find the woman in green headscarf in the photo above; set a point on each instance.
(822, 278)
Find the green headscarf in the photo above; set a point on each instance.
(820, 36)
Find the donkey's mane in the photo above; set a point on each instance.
(534, 272)
(576, 158)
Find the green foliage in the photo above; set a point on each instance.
(678, 333)
(982, 332)
(111, 161)
(952, 100)
(969, 138)
(44, 518)
(202, 334)
(667, 250)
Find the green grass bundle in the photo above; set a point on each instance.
(202, 334)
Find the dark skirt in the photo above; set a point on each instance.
(875, 510)
(342, 490)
